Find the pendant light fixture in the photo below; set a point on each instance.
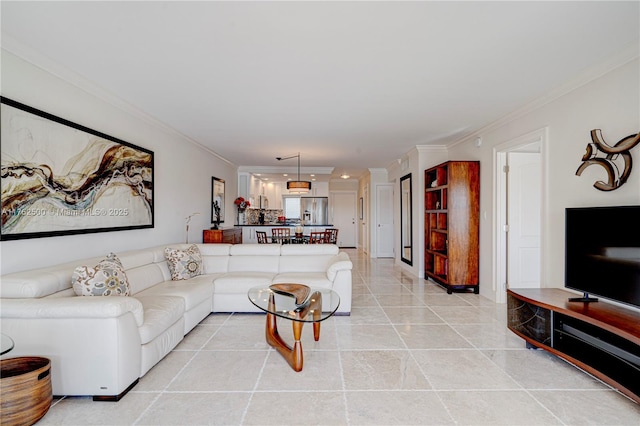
(297, 186)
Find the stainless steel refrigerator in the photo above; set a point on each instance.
(314, 210)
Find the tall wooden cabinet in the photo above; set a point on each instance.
(451, 224)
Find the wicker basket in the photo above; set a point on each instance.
(25, 387)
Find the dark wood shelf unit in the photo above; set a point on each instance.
(451, 222)
(219, 236)
(598, 337)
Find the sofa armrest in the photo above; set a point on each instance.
(340, 262)
(73, 307)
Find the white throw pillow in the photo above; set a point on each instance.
(107, 278)
(184, 264)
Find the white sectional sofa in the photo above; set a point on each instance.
(101, 346)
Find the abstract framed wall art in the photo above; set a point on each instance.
(61, 178)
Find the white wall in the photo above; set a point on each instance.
(182, 178)
(611, 103)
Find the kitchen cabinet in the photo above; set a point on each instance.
(451, 224)
(273, 191)
(319, 189)
(249, 235)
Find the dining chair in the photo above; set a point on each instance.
(317, 237)
(331, 235)
(262, 237)
(280, 235)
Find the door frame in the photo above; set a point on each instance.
(376, 222)
(540, 136)
(355, 211)
(365, 231)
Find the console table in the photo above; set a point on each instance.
(227, 236)
(599, 337)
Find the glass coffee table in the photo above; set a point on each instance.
(6, 344)
(298, 303)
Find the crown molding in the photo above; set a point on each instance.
(424, 149)
(285, 169)
(627, 54)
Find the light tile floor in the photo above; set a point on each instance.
(409, 354)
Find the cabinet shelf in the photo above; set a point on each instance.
(436, 188)
(437, 252)
(451, 232)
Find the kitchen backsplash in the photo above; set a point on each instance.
(252, 216)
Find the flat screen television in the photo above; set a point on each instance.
(602, 252)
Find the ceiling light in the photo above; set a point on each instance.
(345, 176)
(297, 186)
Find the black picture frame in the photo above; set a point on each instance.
(406, 220)
(217, 195)
(61, 178)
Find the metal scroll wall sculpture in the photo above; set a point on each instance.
(612, 158)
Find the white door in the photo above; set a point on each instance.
(523, 207)
(384, 218)
(364, 227)
(344, 217)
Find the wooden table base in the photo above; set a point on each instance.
(293, 355)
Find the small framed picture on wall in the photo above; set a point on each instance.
(217, 200)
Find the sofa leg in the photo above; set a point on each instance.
(115, 398)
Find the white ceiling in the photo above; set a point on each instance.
(349, 85)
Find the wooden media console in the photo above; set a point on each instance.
(598, 337)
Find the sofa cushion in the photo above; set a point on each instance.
(146, 276)
(255, 250)
(193, 291)
(309, 249)
(241, 282)
(160, 313)
(41, 282)
(312, 279)
(296, 263)
(107, 278)
(340, 262)
(184, 264)
(135, 258)
(306, 257)
(254, 258)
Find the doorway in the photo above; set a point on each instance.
(384, 219)
(518, 231)
(364, 214)
(344, 217)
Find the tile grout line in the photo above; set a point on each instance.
(195, 354)
(255, 387)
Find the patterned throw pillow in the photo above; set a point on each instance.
(107, 278)
(184, 264)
